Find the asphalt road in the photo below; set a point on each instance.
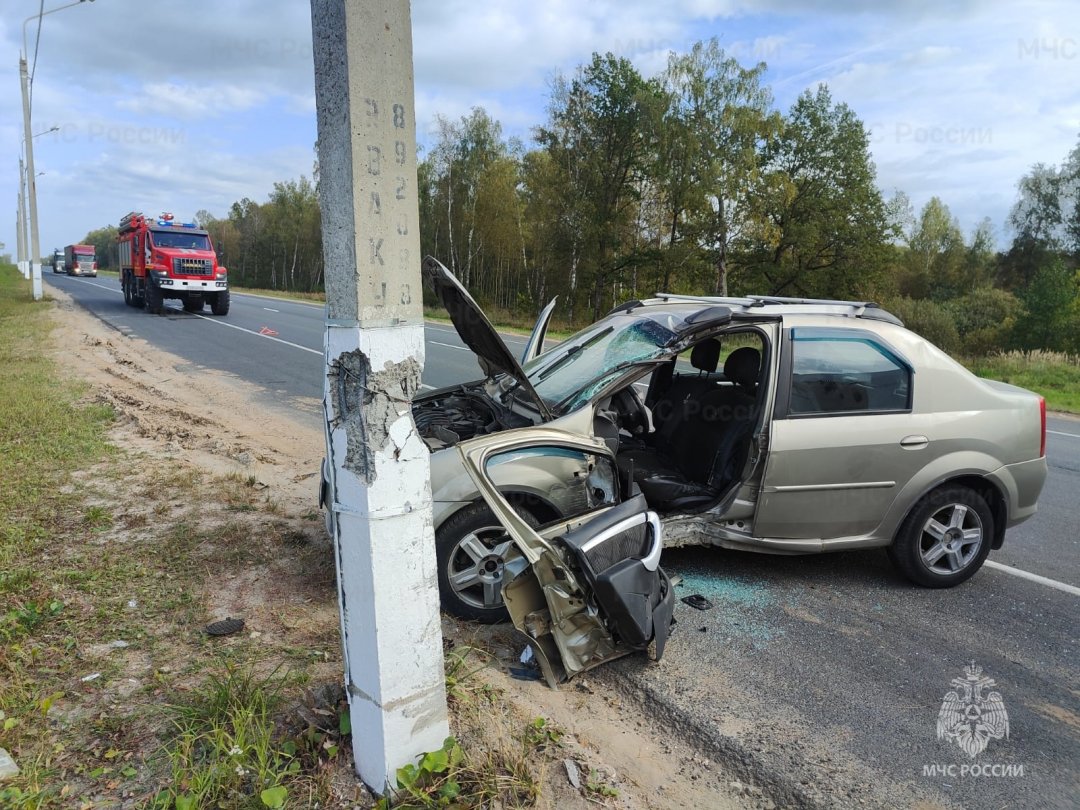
(820, 677)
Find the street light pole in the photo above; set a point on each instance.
(31, 180)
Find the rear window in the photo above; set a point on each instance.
(837, 373)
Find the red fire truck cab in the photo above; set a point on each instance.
(161, 258)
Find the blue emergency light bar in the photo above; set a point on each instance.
(170, 223)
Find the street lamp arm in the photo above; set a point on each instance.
(25, 50)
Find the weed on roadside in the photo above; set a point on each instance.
(225, 751)
(494, 759)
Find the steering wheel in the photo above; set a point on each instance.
(633, 414)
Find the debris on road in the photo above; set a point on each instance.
(225, 627)
(572, 773)
(8, 768)
(696, 600)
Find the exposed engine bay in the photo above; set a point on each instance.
(446, 418)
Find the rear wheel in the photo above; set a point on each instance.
(476, 556)
(945, 539)
(125, 285)
(219, 304)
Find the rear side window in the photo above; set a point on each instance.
(835, 373)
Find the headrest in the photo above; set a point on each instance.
(705, 355)
(742, 366)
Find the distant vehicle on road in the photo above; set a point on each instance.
(161, 258)
(80, 260)
(780, 425)
(58, 261)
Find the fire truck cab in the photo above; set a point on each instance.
(161, 258)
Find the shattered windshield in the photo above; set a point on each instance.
(568, 374)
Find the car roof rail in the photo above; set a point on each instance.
(779, 299)
(711, 299)
(859, 309)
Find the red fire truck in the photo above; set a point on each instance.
(161, 258)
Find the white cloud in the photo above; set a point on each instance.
(190, 102)
(172, 105)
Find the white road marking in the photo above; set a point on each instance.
(258, 335)
(1063, 433)
(271, 310)
(95, 284)
(449, 345)
(1050, 583)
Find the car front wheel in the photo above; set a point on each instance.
(475, 556)
(945, 539)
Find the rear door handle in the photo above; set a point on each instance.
(914, 442)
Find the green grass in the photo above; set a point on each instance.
(1054, 375)
(226, 747)
(45, 433)
(81, 567)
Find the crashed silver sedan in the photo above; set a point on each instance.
(780, 425)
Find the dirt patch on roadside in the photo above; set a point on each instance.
(263, 555)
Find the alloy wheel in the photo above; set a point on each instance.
(480, 562)
(951, 538)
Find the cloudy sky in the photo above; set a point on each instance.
(181, 106)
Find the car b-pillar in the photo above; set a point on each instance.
(374, 348)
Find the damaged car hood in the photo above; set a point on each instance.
(476, 330)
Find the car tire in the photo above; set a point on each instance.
(473, 541)
(945, 539)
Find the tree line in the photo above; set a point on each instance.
(693, 182)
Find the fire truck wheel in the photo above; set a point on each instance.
(152, 299)
(220, 303)
(127, 290)
(193, 303)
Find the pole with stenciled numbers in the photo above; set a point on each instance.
(380, 495)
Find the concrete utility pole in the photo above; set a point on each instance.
(20, 221)
(379, 466)
(31, 182)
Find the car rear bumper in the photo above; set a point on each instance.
(1021, 482)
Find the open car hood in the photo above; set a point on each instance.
(476, 330)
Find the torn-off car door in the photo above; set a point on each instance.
(595, 590)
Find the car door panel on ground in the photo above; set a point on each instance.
(593, 593)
